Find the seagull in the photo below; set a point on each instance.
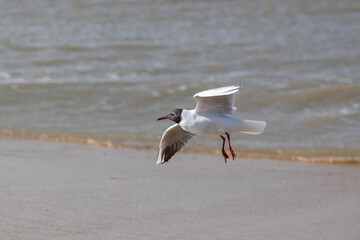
(213, 115)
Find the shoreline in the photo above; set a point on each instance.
(338, 156)
(68, 191)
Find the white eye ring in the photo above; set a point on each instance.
(172, 114)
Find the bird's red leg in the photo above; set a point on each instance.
(230, 148)
(223, 150)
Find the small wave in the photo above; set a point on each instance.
(133, 46)
(296, 98)
(326, 94)
(25, 48)
(106, 78)
(71, 48)
(352, 110)
(69, 138)
(4, 75)
(11, 81)
(50, 62)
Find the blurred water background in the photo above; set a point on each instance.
(101, 71)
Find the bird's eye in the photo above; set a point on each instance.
(172, 114)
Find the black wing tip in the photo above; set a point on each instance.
(166, 155)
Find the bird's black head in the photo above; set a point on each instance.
(174, 115)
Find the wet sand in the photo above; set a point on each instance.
(71, 191)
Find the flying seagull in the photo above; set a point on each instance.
(213, 115)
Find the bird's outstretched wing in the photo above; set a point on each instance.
(173, 139)
(217, 100)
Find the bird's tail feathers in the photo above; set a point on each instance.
(251, 127)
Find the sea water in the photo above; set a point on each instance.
(102, 71)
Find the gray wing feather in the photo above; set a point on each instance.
(173, 139)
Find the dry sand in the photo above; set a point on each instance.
(70, 191)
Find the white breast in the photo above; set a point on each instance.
(207, 124)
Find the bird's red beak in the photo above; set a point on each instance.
(162, 118)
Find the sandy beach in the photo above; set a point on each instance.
(71, 191)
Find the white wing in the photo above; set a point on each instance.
(173, 139)
(217, 100)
